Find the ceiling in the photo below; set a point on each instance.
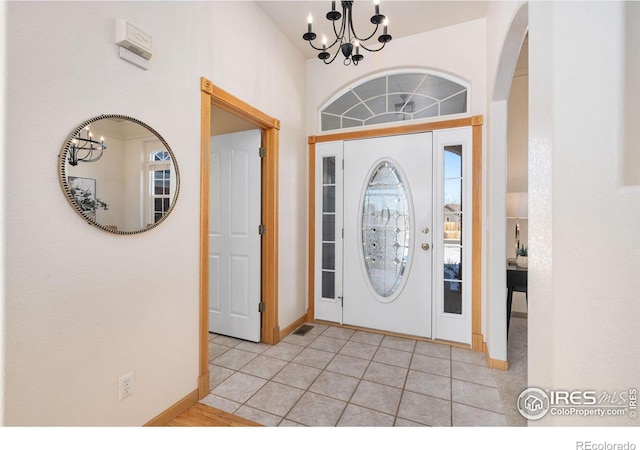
(405, 17)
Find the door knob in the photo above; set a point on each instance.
(425, 246)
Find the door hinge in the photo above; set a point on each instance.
(343, 164)
(261, 307)
(343, 233)
(262, 229)
(262, 152)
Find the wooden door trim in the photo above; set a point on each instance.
(212, 95)
(475, 122)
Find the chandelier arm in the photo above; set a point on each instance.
(354, 31)
(373, 49)
(322, 49)
(89, 156)
(90, 141)
(101, 153)
(367, 38)
(349, 25)
(326, 61)
(313, 46)
(340, 34)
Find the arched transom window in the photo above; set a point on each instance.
(393, 98)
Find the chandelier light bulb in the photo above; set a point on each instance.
(385, 36)
(309, 35)
(357, 57)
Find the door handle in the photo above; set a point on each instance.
(425, 246)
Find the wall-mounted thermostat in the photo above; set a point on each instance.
(133, 39)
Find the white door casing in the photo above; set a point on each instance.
(234, 239)
(406, 306)
(448, 197)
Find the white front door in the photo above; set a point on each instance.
(234, 239)
(388, 209)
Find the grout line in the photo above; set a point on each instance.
(360, 379)
(451, 385)
(404, 385)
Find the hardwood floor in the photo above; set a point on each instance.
(200, 415)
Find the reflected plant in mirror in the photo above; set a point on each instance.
(125, 181)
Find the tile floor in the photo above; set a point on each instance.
(334, 376)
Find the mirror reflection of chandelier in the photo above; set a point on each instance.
(346, 38)
(83, 146)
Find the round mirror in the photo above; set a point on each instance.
(119, 174)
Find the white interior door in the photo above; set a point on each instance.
(388, 209)
(234, 239)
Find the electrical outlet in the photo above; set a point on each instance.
(126, 385)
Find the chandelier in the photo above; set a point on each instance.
(82, 148)
(346, 38)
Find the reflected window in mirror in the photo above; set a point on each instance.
(160, 192)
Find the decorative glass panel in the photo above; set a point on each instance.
(385, 229)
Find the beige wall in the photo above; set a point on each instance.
(517, 135)
(84, 307)
(507, 24)
(583, 275)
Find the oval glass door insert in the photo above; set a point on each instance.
(385, 229)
